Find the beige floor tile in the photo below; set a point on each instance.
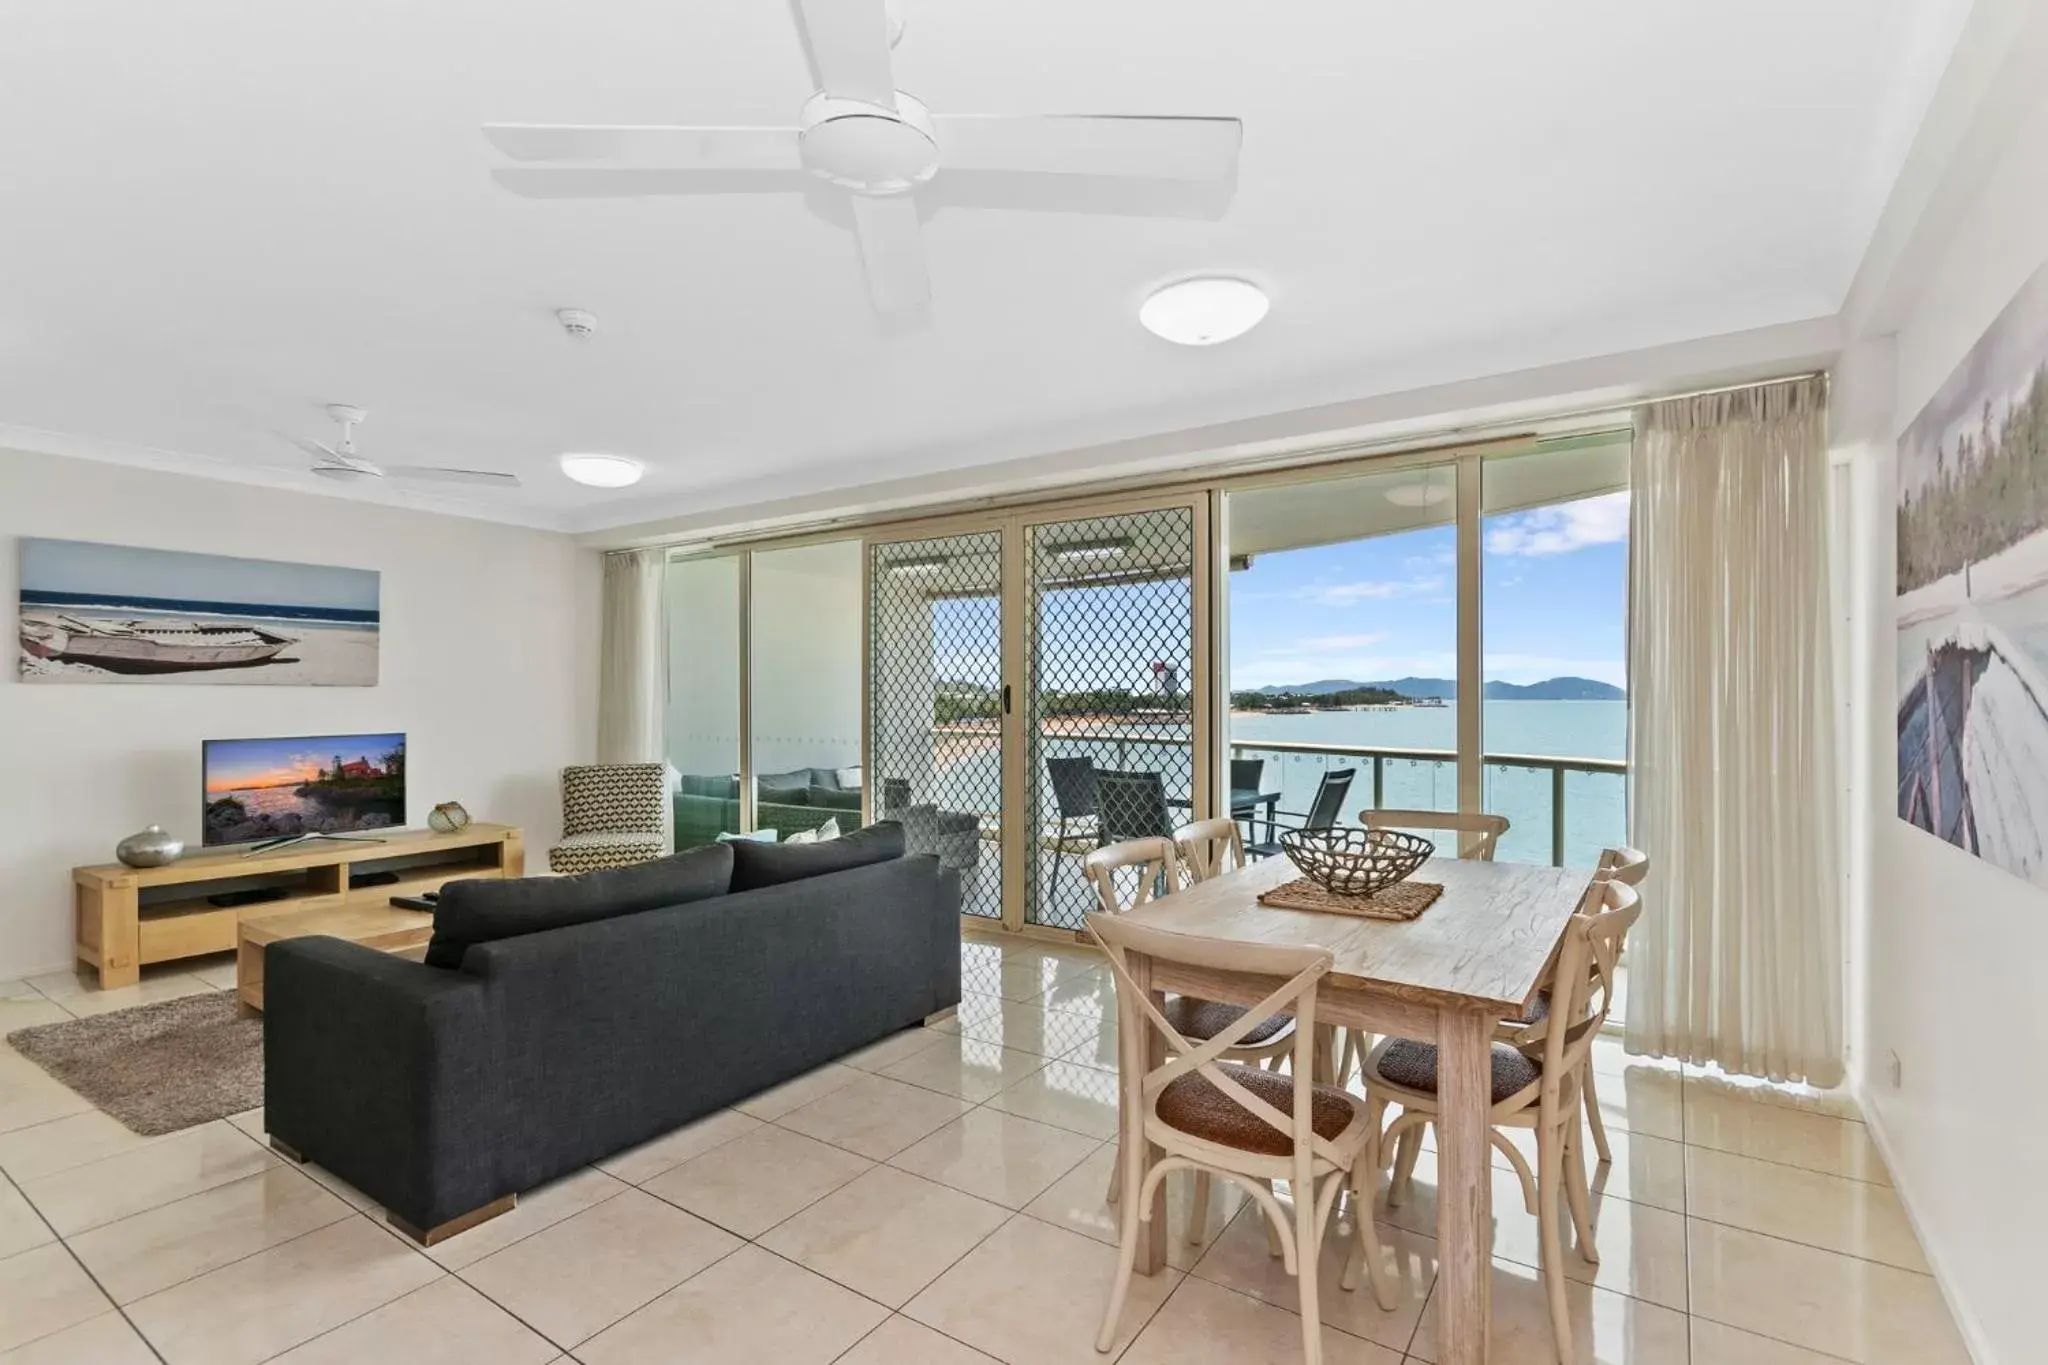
(158, 1172)
(1862, 1311)
(137, 1256)
(1077, 1203)
(996, 1156)
(887, 1234)
(536, 1209)
(900, 1341)
(1081, 1099)
(1642, 1099)
(1239, 1260)
(21, 1227)
(27, 1011)
(1206, 1324)
(961, 1066)
(29, 1097)
(650, 1159)
(1098, 1051)
(61, 1144)
(774, 1102)
(1817, 1142)
(250, 1121)
(1032, 1294)
(1025, 1026)
(1642, 1248)
(272, 1301)
(1611, 1057)
(83, 1000)
(893, 1049)
(1853, 1217)
(445, 1323)
(1711, 1082)
(1645, 1170)
(340, 1188)
(875, 1116)
(578, 1277)
(1607, 1329)
(750, 1308)
(43, 1291)
(104, 1340)
(750, 1184)
(1714, 1344)
(217, 970)
(1030, 980)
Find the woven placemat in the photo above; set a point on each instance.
(1401, 901)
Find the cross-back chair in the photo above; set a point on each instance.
(1479, 831)
(1209, 848)
(1215, 1117)
(1538, 1079)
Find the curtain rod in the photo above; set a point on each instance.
(1622, 413)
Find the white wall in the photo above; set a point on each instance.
(489, 648)
(1951, 954)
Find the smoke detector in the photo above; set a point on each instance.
(580, 325)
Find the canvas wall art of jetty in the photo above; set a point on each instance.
(1972, 609)
(124, 614)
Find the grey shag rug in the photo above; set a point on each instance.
(157, 1068)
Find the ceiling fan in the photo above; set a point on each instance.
(889, 153)
(340, 461)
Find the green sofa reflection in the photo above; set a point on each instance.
(707, 806)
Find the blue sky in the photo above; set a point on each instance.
(131, 571)
(1555, 583)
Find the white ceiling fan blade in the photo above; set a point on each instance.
(847, 43)
(1153, 148)
(1114, 195)
(649, 148)
(430, 474)
(320, 451)
(618, 182)
(891, 251)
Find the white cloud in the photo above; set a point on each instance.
(1561, 529)
(1370, 590)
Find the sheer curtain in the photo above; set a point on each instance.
(1738, 957)
(632, 683)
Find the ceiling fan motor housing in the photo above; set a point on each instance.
(868, 148)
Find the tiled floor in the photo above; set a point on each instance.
(935, 1199)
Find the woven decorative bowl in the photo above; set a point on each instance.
(1356, 862)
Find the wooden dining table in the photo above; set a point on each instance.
(1476, 956)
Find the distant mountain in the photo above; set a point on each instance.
(1550, 689)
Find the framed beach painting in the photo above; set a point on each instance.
(120, 614)
(1972, 616)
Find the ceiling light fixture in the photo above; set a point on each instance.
(1093, 549)
(1427, 494)
(601, 471)
(1204, 311)
(920, 564)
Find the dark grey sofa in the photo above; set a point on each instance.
(439, 1091)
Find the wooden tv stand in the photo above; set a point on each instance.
(128, 917)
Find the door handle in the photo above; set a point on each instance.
(1006, 699)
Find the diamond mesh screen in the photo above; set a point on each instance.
(935, 721)
(1110, 695)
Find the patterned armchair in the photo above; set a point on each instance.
(613, 814)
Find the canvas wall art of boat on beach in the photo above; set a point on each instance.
(1972, 608)
(123, 614)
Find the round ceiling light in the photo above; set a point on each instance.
(1204, 311)
(1426, 494)
(602, 471)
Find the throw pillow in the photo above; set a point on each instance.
(759, 836)
(758, 865)
(803, 836)
(484, 909)
(784, 789)
(849, 778)
(828, 830)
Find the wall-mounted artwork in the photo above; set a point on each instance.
(119, 614)
(1973, 598)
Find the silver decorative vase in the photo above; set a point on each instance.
(447, 817)
(152, 847)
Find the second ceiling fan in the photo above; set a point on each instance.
(887, 151)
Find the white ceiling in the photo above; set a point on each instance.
(219, 216)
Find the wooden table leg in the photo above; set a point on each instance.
(1464, 1217)
(1152, 1048)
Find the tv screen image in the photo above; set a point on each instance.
(258, 789)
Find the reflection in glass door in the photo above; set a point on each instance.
(935, 703)
(1109, 699)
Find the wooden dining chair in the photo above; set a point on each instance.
(1538, 1079)
(1221, 1119)
(1480, 832)
(1628, 866)
(1209, 848)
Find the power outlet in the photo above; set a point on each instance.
(1894, 1071)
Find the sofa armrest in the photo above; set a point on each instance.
(378, 1068)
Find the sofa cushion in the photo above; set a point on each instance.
(483, 909)
(758, 865)
(825, 777)
(784, 789)
(832, 798)
(709, 784)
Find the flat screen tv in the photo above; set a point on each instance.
(276, 791)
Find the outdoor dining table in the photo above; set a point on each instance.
(1244, 805)
(1474, 957)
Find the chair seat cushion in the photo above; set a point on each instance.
(1535, 1014)
(1201, 1020)
(598, 850)
(1195, 1106)
(1412, 1066)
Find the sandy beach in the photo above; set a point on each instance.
(324, 656)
